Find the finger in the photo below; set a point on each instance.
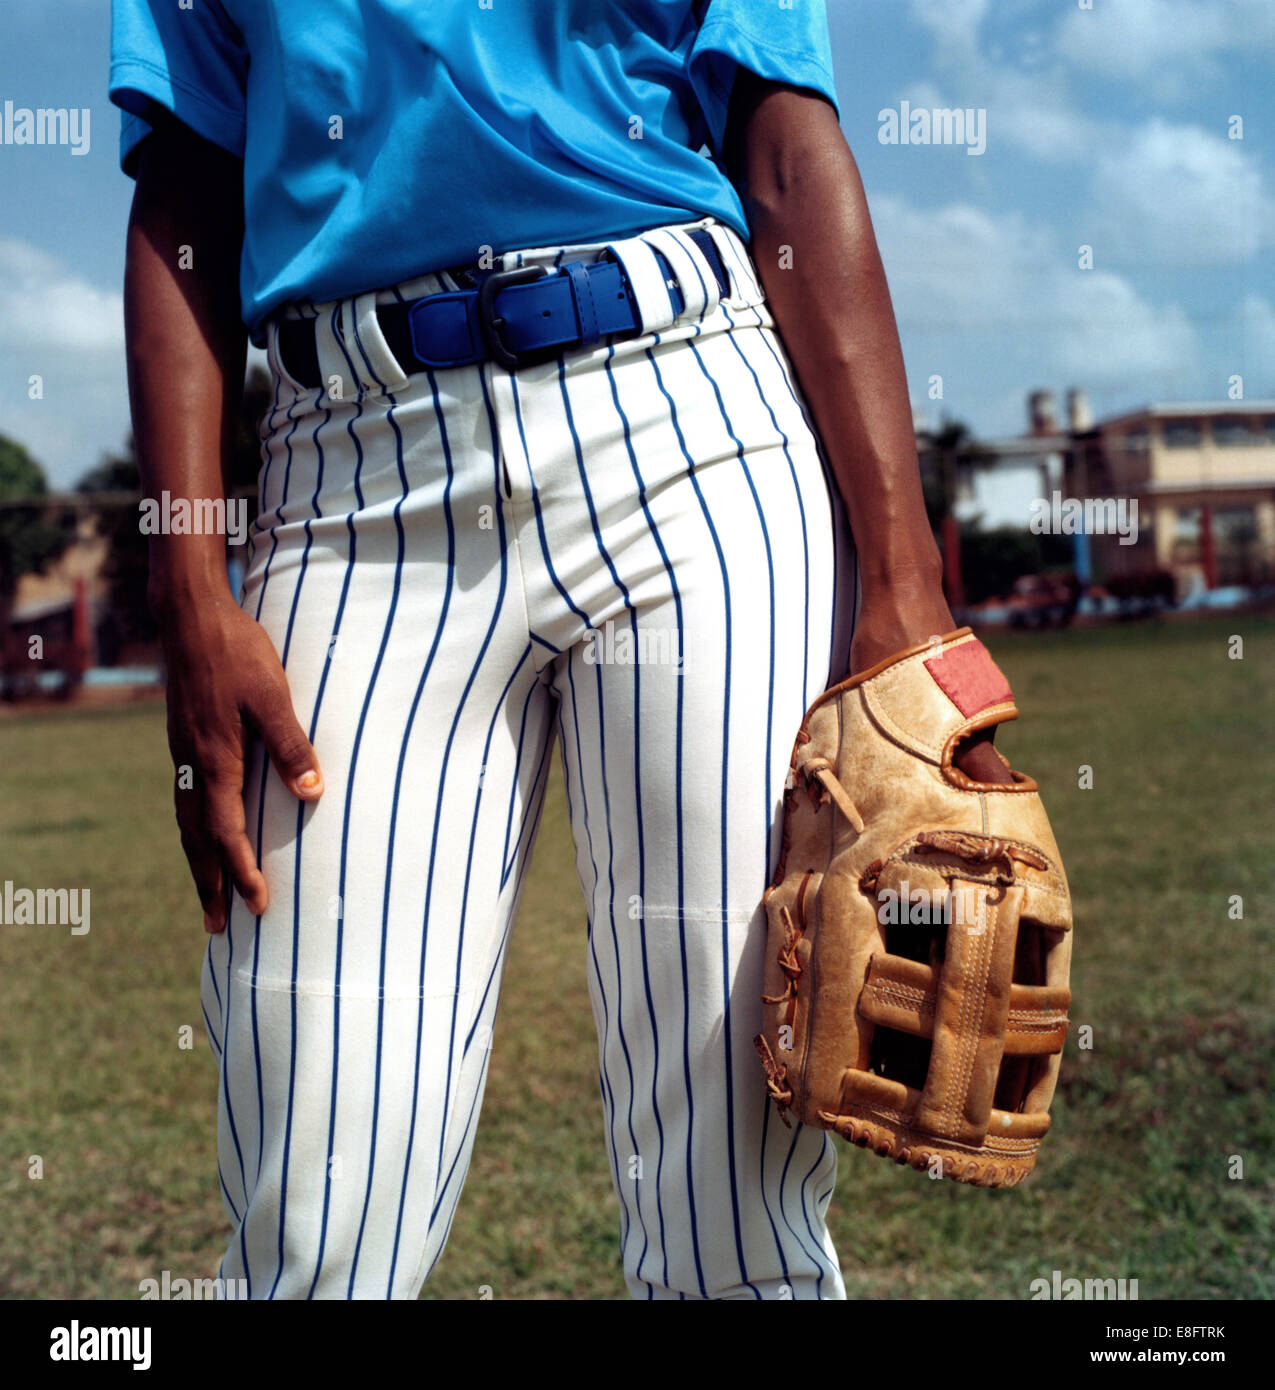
(290, 751)
(224, 819)
(204, 858)
(981, 762)
(211, 818)
(202, 855)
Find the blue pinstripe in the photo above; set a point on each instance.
(833, 502)
(300, 821)
(345, 833)
(429, 898)
(506, 859)
(472, 1118)
(465, 900)
(283, 494)
(637, 797)
(602, 753)
(721, 561)
(398, 785)
(608, 1091)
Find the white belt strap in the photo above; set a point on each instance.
(334, 368)
(647, 280)
(694, 275)
(737, 262)
(369, 351)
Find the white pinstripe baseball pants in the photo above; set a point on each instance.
(618, 546)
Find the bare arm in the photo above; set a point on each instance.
(801, 189)
(186, 348)
(186, 344)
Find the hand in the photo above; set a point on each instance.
(899, 614)
(224, 678)
(895, 614)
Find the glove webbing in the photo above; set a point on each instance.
(974, 1015)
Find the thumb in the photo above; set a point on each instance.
(980, 761)
(290, 751)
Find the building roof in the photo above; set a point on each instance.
(1165, 410)
(1017, 445)
(41, 608)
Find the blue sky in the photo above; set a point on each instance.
(1106, 127)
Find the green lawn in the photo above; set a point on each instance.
(1134, 1178)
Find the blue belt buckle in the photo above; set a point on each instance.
(490, 323)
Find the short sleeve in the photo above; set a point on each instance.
(187, 58)
(781, 42)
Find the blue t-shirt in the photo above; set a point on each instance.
(385, 138)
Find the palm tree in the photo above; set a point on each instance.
(950, 442)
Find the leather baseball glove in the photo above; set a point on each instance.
(919, 950)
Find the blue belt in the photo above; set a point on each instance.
(513, 317)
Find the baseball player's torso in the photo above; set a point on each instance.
(385, 138)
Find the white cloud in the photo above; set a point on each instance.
(1110, 332)
(1034, 113)
(1180, 195)
(954, 23)
(44, 304)
(1160, 192)
(1029, 106)
(1254, 331)
(1164, 43)
(1026, 77)
(81, 414)
(69, 333)
(996, 302)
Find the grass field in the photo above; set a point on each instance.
(1135, 1181)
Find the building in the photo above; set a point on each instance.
(1203, 475)
(47, 632)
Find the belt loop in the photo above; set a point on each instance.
(274, 357)
(376, 365)
(334, 369)
(586, 310)
(734, 258)
(694, 275)
(637, 256)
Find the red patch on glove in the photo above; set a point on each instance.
(969, 678)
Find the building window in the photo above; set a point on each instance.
(1235, 526)
(1185, 546)
(1135, 441)
(1269, 426)
(1232, 434)
(1186, 526)
(1182, 434)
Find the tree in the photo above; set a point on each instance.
(29, 537)
(127, 565)
(125, 569)
(940, 481)
(940, 502)
(993, 560)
